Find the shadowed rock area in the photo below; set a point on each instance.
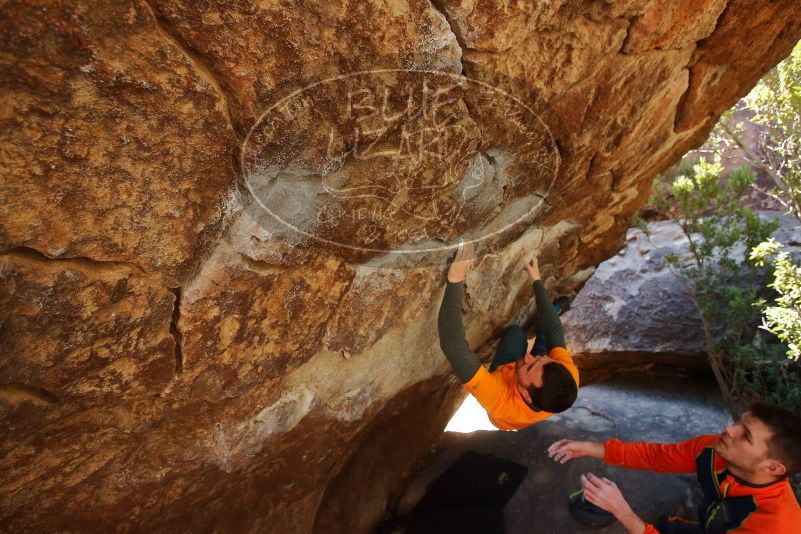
(222, 245)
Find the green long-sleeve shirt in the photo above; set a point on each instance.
(452, 339)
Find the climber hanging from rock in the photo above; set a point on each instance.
(743, 473)
(526, 382)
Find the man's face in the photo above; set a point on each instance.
(745, 444)
(528, 370)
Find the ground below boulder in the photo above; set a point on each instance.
(631, 407)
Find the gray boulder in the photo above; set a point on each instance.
(633, 311)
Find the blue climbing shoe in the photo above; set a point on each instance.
(561, 305)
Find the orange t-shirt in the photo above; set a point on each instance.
(497, 393)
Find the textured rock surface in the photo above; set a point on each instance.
(633, 310)
(174, 361)
(115, 146)
(77, 331)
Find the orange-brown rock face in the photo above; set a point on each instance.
(224, 228)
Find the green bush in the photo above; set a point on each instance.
(747, 288)
(774, 106)
(784, 318)
(730, 289)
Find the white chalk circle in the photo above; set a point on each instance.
(397, 161)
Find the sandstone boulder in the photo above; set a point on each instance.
(179, 356)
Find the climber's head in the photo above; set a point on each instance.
(765, 443)
(545, 384)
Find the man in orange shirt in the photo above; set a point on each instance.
(520, 388)
(742, 471)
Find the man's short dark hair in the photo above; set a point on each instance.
(558, 391)
(785, 445)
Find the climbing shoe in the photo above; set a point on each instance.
(561, 305)
(588, 513)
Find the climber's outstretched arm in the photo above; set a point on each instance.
(550, 326)
(452, 339)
